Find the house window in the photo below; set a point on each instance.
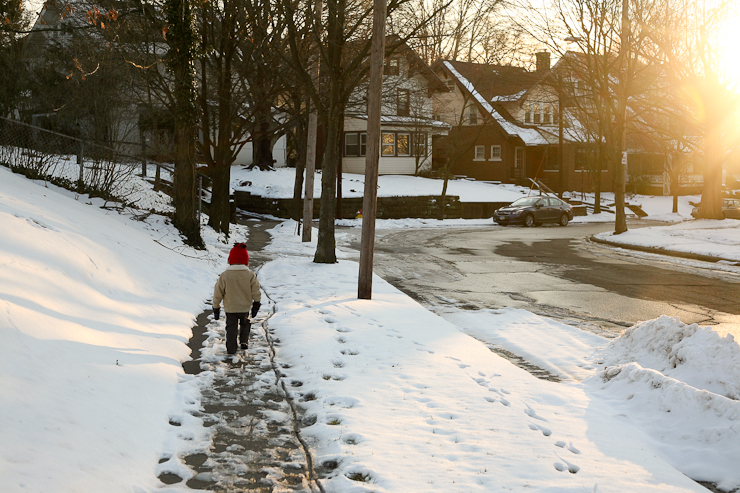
(420, 144)
(351, 144)
(537, 116)
(548, 115)
(473, 114)
(403, 144)
(388, 144)
(495, 153)
(392, 67)
(480, 153)
(527, 113)
(355, 143)
(403, 102)
(451, 84)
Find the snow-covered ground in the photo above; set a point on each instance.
(720, 239)
(96, 308)
(407, 400)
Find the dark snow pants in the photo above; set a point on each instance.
(236, 321)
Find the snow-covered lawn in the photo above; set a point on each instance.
(95, 313)
(96, 309)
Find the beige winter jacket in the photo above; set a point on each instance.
(237, 287)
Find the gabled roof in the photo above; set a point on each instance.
(496, 82)
(530, 136)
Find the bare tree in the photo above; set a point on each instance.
(688, 43)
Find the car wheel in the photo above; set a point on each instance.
(563, 220)
(529, 220)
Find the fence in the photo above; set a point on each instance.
(77, 164)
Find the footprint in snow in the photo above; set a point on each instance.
(425, 350)
(344, 329)
(533, 414)
(325, 312)
(570, 447)
(570, 467)
(330, 320)
(463, 365)
(545, 431)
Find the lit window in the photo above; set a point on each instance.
(495, 153)
(403, 144)
(388, 144)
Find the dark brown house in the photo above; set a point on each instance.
(506, 127)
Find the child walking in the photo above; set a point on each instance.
(239, 290)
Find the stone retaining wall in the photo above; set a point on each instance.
(388, 207)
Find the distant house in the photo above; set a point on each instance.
(407, 124)
(505, 124)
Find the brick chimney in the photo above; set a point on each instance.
(543, 61)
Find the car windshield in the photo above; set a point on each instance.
(525, 201)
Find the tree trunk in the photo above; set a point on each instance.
(711, 196)
(299, 139)
(220, 211)
(181, 40)
(326, 245)
(597, 191)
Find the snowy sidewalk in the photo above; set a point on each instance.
(405, 400)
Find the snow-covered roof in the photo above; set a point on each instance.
(408, 121)
(508, 98)
(529, 136)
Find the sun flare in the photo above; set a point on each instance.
(729, 45)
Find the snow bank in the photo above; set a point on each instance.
(94, 318)
(704, 237)
(680, 384)
(689, 353)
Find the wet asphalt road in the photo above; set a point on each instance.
(555, 272)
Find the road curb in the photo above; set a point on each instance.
(663, 251)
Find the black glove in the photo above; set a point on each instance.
(216, 313)
(255, 308)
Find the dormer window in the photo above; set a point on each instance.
(403, 102)
(473, 115)
(393, 66)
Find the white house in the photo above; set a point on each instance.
(407, 125)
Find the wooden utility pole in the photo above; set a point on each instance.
(313, 119)
(372, 155)
(620, 220)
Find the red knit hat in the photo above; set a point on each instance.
(239, 255)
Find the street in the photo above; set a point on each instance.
(555, 272)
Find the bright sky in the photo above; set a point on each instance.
(730, 41)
